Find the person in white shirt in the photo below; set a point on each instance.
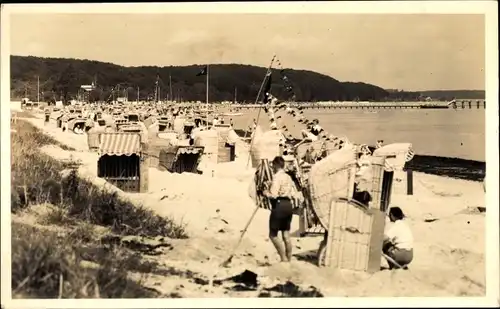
(282, 192)
(398, 239)
(215, 121)
(316, 129)
(307, 134)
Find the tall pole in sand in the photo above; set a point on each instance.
(38, 89)
(206, 102)
(170, 87)
(260, 108)
(260, 90)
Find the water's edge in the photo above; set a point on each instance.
(441, 166)
(446, 166)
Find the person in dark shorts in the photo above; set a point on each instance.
(398, 239)
(282, 193)
(47, 116)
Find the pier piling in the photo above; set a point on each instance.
(409, 181)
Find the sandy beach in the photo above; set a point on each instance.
(449, 250)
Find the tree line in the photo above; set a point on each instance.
(434, 95)
(61, 78)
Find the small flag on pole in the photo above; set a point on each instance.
(202, 72)
(268, 97)
(267, 87)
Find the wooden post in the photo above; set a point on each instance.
(376, 240)
(144, 163)
(302, 221)
(409, 181)
(330, 233)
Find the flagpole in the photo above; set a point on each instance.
(38, 89)
(207, 92)
(260, 90)
(170, 88)
(260, 108)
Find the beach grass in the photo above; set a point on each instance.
(23, 114)
(46, 264)
(37, 178)
(52, 264)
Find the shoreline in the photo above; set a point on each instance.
(448, 166)
(452, 167)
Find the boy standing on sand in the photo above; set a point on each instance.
(398, 239)
(281, 192)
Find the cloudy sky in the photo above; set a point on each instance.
(411, 52)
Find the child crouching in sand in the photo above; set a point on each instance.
(398, 240)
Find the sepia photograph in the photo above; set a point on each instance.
(253, 150)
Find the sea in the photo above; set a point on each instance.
(437, 132)
(447, 142)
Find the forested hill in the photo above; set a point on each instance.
(459, 94)
(435, 95)
(63, 77)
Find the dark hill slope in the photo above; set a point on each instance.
(59, 76)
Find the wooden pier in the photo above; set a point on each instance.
(479, 104)
(468, 104)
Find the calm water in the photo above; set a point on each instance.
(446, 132)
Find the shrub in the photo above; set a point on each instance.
(100, 207)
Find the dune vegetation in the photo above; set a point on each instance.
(61, 251)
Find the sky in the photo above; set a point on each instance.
(393, 51)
